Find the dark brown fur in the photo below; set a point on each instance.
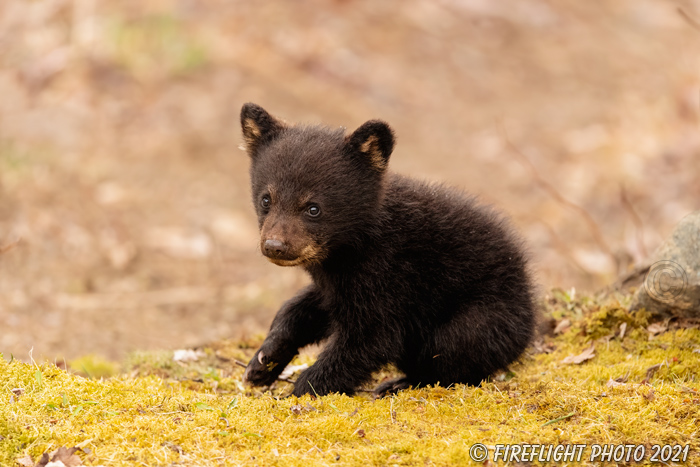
(404, 272)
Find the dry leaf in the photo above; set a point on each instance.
(562, 326)
(310, 407)
(623, 328)
(615, 384)
(607, 338)
(82, 445)
(657, 328)
(582, 357)
(61, 457)
(543, 347)
(172, 446)
(653, 369)
(622, 379)
(650, 396)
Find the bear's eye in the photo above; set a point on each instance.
(265, 202)
(313, 210)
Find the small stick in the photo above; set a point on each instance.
(554, 193)
(692, 21)
(8, 247)
(638, 224)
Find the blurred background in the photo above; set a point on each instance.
(125, 218)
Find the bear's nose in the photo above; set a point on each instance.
(275, 248)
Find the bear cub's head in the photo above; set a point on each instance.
(315, 189)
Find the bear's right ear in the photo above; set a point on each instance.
(259, 127)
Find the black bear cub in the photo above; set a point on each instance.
(403, 272)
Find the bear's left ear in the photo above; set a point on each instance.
(259, 127)
(374, 141)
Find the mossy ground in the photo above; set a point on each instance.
(161, 412)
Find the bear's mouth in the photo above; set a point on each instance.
(287, 262)
(309, 254)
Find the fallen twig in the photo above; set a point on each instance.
(692, 21)
(549, 188)
(638, 224)
(8, 247)
(563, 247)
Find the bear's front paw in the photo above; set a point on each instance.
(261, 370)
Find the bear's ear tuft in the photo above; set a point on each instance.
(374, 141)
(259, 127)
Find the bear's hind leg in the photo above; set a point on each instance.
(477, 342)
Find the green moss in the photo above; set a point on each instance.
(163, 412)
(607, 320)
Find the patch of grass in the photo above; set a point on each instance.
(198, 413)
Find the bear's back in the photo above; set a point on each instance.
(450, 236)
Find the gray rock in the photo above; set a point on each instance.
(672, 285)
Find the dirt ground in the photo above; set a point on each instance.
(123, 184)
